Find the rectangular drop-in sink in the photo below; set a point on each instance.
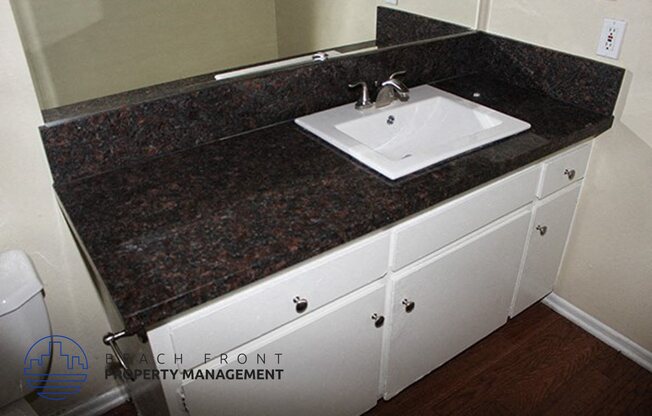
(407, 136)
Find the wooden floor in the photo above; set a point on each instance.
(537, 364)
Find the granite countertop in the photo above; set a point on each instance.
(174, 232)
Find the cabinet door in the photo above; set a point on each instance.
(550, 228)
(330, 361)
(450, 302)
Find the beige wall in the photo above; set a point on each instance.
(607, 271)
(461, 12)
(31, 220)
(310, 25)
(82, 49)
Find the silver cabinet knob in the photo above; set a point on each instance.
(570, 173)
(379, 320)
(409, 305)
(542, 229)
(300, 304)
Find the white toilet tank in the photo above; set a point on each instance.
(23, 321)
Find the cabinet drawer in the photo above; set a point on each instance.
(433, 230)
(563, 170)
(248, 314)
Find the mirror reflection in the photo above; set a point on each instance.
(83, 49)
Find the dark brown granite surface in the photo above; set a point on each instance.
(395, 27)
(173, 232)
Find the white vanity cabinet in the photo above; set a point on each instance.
(368, 319)
(561, 183)
(330, 362)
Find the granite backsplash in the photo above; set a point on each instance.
(117, 138)
(574, 80)
(125, 136)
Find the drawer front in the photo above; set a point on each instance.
(564, 170)
(248, 314)
(433, 230)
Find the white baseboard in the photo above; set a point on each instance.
(100, 404)
(604, 333)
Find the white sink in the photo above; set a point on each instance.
(407, 136)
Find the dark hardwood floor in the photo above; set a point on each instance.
(537, 364)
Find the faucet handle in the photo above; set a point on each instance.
(397, 74)
(365, 100)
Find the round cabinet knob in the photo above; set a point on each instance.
(300, 304)
(379, 320)
(542, 229)
(409, 305)
(570, 173)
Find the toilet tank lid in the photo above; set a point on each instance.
(19, 281)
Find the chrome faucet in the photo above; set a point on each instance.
(390, 90)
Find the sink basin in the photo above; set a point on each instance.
(404, 137)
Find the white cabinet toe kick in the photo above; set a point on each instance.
(362, 322)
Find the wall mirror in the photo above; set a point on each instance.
(80, 50)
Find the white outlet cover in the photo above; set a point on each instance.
(611, 38)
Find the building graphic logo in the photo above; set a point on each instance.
(63, 353)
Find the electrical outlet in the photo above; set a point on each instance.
(395, 2)
(611, 38)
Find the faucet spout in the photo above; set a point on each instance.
(401, 90)
(392, 89)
